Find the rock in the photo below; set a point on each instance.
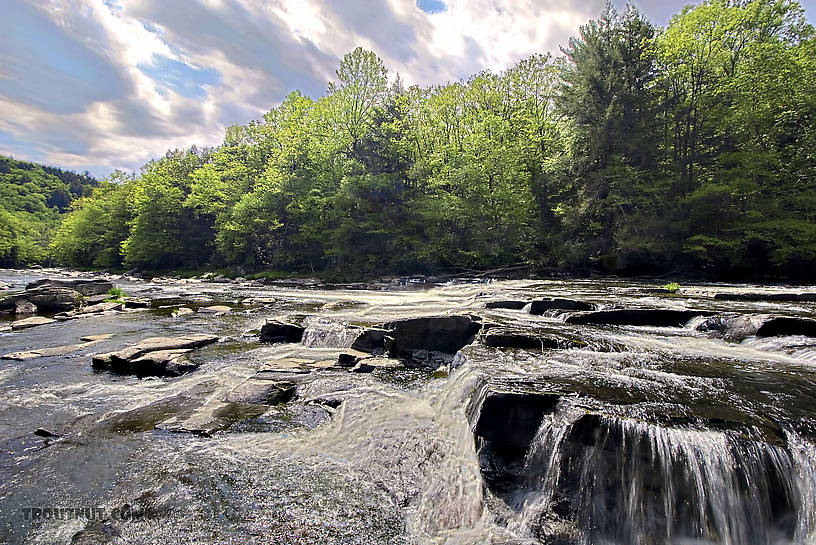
(370, 340)
(45, 299)
(212, 417)
(640, 317)
(102, 307)
(159, 356)
(446, 334)
(733, 327)
(55, 351)
(136, 303)
(280, 332)
(159, 363)
(216, 309)
(84, 287)
(293, 366)
(511, 305)
(542, 305)
(31, 322)
(511, 419)
(770, 297)
(262, 392)
(40, 432)
(776, 327)
(504, 338)
(96, 338)
(24, 308)
(429, 359)
(347, 360)
(368, 365)
(182, 311)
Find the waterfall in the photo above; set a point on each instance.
(622, 481)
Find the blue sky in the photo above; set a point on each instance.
(107, 84)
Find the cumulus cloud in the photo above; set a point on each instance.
(105, 84)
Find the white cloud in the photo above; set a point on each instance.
(261, 51)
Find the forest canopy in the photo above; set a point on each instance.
(638, 150)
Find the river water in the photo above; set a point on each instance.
(650, 435)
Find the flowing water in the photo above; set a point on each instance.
(620, 435)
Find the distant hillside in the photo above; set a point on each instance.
(32, 199)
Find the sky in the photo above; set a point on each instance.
(100, 85)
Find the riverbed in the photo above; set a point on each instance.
(606, 433)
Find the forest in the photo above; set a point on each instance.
(638, 150)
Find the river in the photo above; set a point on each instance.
(605, 434)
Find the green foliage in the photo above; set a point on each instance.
(685, 149)
(32, 198)
(672, 287)
(116, 295)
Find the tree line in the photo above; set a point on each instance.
(639, 150)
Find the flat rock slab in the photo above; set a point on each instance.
(542, 305)
(509, 305)
(216, 309)
(294, 365)
(262, 392)
(212, 417)
(182, 311)
(161, 356)
(641, 317)
(369, 365)
(85, 287)
(503, 338)
(34, 321)
(56, 350)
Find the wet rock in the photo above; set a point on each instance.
(159, 363)
(262, 392)
(182, 311)
(770, 297)
(428, 359)
(368, 365)
(505, 338)
(510, 305)
(54, 351)
(136, 303)
(102, 307)
(370, 340)
(40, 432)
(780, 326)
(84, 287)
(511, 419)
(446, 334)
(639, 317)
(34, 321)
(212, 417)
(281, 332)
(542, 305)
(347, 360)
(282, 366)
(733, 327)
(155, 356)
(24, 308)
(45, 299)
(216, 309)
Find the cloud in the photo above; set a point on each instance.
(106, 84)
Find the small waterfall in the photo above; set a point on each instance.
(324, 333)
(621, 481)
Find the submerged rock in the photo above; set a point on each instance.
(506, 338)
(281, 332)
(640, 317)
(216, 309)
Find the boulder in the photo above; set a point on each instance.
(155, 356)
(446, 334)
(511, 305)
(347, 360)
(281, 332)
(45, 299)
(639, 317)
(540, 306)
(733, 327)
(84, 287)
(24, 308)
(34, 321)
(370, 340)
(262, 392)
